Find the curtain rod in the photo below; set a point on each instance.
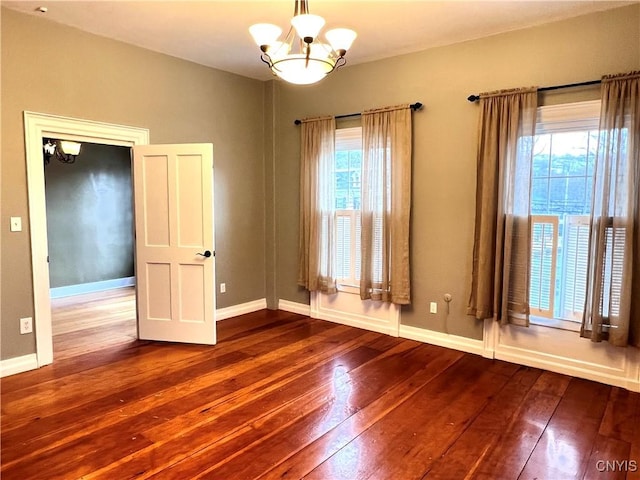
(413, 106)
(473, 98)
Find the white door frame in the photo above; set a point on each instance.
(37, 126)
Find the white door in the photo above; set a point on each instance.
(173, 187)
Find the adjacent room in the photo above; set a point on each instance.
(320, 239)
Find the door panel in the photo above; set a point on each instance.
(173, 187)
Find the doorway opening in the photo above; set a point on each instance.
(37, 127)
(90, 232)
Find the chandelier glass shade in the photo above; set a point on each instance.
(301, 58)
(63, 150)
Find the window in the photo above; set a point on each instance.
(561, 192)
(348, 176)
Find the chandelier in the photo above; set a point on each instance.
(306, 60)
(63, 150)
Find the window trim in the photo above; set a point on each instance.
(558, 323)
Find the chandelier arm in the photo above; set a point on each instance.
(266, 59)
(339, 63)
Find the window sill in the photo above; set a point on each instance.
(555, 323)
(352, 289)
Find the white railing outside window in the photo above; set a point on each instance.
(559, 266)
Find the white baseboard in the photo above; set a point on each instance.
(69, 290)
(455, 342)
(563, 352)
(354, 321)
(566, 366)
(241, 309)
(11, 366)
(346, 308)
(294, 307)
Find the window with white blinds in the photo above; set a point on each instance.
(561, 191)
(348, 176)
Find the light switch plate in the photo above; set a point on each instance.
(433, 307)
(16, 224)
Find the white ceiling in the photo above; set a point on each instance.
(215, 33)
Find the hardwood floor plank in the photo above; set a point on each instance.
(76, 364)
(340, 399)
(284, 396)
(239, 417)
(487, 429)
(565, 445)
(608, 459)
(63, 393)
(406, 442)
(634, 455)
(99, 309)
(507, 458)
(307, 457)
(155, 392)
(118, 367)
(618, 420)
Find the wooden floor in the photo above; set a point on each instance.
(286, 396)
(94, 321)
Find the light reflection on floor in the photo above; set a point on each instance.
(562, 457)
(341, 408)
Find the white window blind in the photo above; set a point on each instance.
(544, 241)
(612, 273)
(576, 259)
(348, 247)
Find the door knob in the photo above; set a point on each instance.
(206, 254)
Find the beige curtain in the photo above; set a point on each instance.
(316, 252)
(386, 204)
(615, 217)
(501, 250)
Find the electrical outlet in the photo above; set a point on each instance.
(26, 325)
(16, 224)
(223, 288)
(433, 307)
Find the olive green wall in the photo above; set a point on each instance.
(53, 69)
(444, 132)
